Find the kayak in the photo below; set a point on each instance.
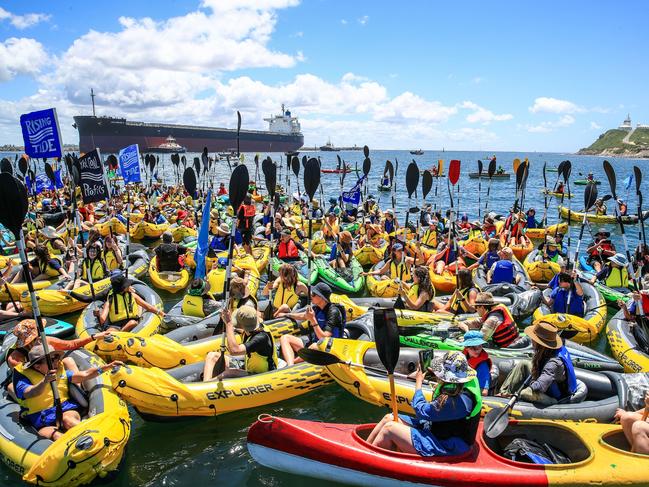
(112, 226)
(369, 254)
(149, 323)
(625, 346)
(596, 398)
(142, 230)
(86, 452)
(577, 217)
(172, 282)
(597, 453)
(540, 233)
(348, 280)
(53, 327)
(345, 170)
(382, 286)
(484, 175)
(181, 232)
(386, 189)
(444, 282)
(540, 270)
(547, 192)
(584, 182)
(586, 328)
(216, 277)
(301, 265)
(520, 250)
(503, 288)
(611, 294)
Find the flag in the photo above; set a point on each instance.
(628, 181)
(92, 178)
(203, 235)
(57, 179)
(129, 163)
(41, 133)
(353, 196)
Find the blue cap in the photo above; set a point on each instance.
(473, 338)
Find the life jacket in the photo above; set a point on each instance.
(249, 212)
(388, 225)
(122, 306)
(335, 227)
(464, 428)
(45, 399)
(505, 334)
(110, 260)
(413, 294)
(193, 306)
(256, 363)
(448, 255)
(50, 246)
(47, 269)
(552, 256)
(617, 277)
(321, 317)
(606, 245)
(219, 243)
(561, 301)
(430, 237)
(400, 270)
(569, 386)
(287, 250)
(98, 269)
(286, 296)
(491, 258)
(531, 222)
(461, 305)
(474, 362)
(245, 301)
(167, 255)
(503, 272)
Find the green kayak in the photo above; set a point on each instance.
(350, 227)
(584, 182)
(301, 265)
(348, 281)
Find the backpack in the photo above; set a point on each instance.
(529, 451)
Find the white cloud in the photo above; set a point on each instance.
(364, 20)
(477, 80)
(595, 126)
(343, 21)
(554, 105)
(408, 106)
(482, 115)
(23, 21)
(551, 126)
(20, 56)
(299, 34)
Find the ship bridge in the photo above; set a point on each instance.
(284, 123)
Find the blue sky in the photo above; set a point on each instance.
(546, 76)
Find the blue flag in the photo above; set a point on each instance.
(41, 133)
(129, 163)
(203, 235)
(353, 196)
(627, 182)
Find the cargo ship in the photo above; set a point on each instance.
(112, 134)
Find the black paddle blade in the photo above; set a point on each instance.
(560, 169)
(5, 166)
(197, 166)
(366, 151)
(567, 169)
(479, 167)
(270, 176)
(638, 178)
(520, 172)
(189, 180)
(389, 170)
(526, 173)
(13, 203)
(50, 173)
(205, 159)
(545, 179)
(495, 422)
(238, 189)
(295, 166)
(304, 159)
(112, 162)
(23, 165)
(412, 178)
(386, 336)
(367, 165)
(238, 122)
(340, 162)
(426, 183)
(492, 168)
(318, 357)
(610, 174)
(590, 195)
(184, 161)
(311, 177)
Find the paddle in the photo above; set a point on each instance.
(205, 159)
(638, 182)
(311, 183)
(295, 166)
(13, 208)
(270, 178)
(490, 172)
(386, 336)
(496, 421)
(479, 185)
(189, 181)
(367, 166)
(238, 138)
(412, 181)
(5, 166)
(453, 178)
(237, 191)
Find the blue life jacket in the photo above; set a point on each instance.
(389, 226)
(490, 259)
(218, 243)
(531, 222)
(561, 299)
(321, 317)
(571, 379)
(238, 239)
(503, 272)
(266, 220)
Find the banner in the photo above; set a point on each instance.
(129, 163)
(353, 196)
(203, 235)
(92, 181)
(41, 134)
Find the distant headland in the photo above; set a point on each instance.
(624, 141)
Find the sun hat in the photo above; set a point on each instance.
(507, 251)
(50, 232)
(603, 231)
(473, 338)
(397, 246)
(323, 290)
(37, 353)
(452, 368)
(246, 318)
(545, 334)
(550, 242)
(26, 332)
(199, 287)
(485, 299)
(619, 259)
(286, 231)
(223, 229)
(120, 283)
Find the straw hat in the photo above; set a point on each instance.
(545, 334)
(26, 332)
(37, 353)
(245, 318)
(50, 232)
(452, 368)
(485, 299)
(223, 229)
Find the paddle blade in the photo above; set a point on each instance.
(367, 165)
(13, 203)
(520, 172)
(492, 168)
(479, 167)
(567, 170)
(5, 166)
(545, 179)
(496, 422)
(638, 178)
(311, 177)
(304, 159)
(412, 178)
(426, 183)
(295, 166)
(197, 166)
(366, 151)
(454, 171)
(189, 180)
(386, 336)
(389, 171)
(526, 173)
(22, 164)
(610, 174)
(238, 122)
(516, 164)
(205, 159)
(318, 357)
(270, 176)
(590, 195)
(50, 173)
(238, 186)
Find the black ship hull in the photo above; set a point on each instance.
(113, 134)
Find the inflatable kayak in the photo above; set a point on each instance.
(577, 217)
(53, 327)
(90, 450)
(584, 182)
(216, 277)
(301, 265)
(540, 233)
(611, 294)
(627, 345)
(597, 453)
(520, 250)
(503, 288)
(540, 270)
(547, 192)
(172, 282)
(348, 280)
(369, 255)
(142, 230)
(112, 226)
(181, 232)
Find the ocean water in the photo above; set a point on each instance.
(209, 450)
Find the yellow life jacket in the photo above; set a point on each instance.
(335, 228)
(285, 296)
(97, 270)
(400, 271)
(618, 277)
(45, 399)
(236, 303)
(256, 363)
(122, 306)
(461, 305)
(50, 246)
(111, 260)
(430, 238)
(48, 270)
(193, 306)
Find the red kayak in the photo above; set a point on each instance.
(339, 452)
(336, 171)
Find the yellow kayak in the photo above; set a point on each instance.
(216, 277)
(113, 226)
(540, 233)
(180, 232)
(540, 271)
(625, 346)
(370, 255)
(577, 217)
(172, 282)
(144, 229)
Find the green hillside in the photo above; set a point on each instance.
(640, 137)
(610, 140)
